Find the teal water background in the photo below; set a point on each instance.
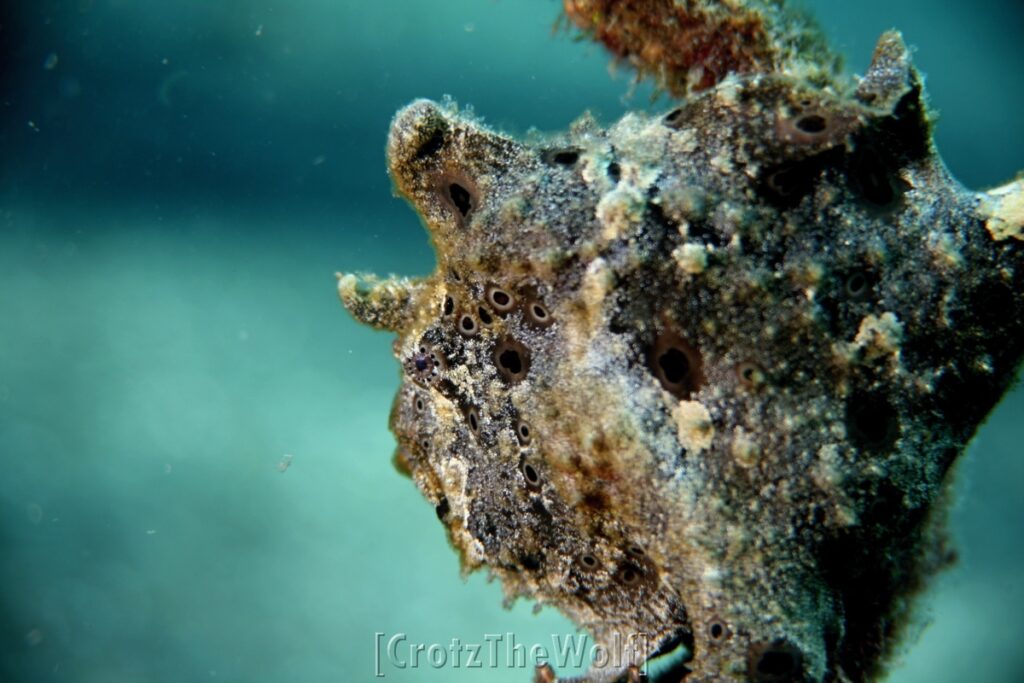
(178, 183)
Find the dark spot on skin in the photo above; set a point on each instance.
(419, 404)
(460, 198)
(776, 662)
(449, 306)
(717, 630)
(588, 562)
(812, 124)
(872, 421)
(499, 300)
(845, 296)
(596, 500)
(530, 476)
(473, 419)
(459, 195)
(442, 508)
(485, 317)
(674, 118)
(750, 375)
(512, 359)
(814, 127)
(857, 286)
(432, 145)
(562, 157)
(530, 562)
(676, 364)
(537, 314)
(629, 575)
(614, 171)
(468, 326)
(523, 433)
(633, 550)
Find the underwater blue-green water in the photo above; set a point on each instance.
(195, 477)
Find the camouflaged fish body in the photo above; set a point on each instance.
(698, 380)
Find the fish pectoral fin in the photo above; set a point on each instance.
(387, 304)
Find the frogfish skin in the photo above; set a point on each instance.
(698, 380)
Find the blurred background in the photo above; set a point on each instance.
(195, 478)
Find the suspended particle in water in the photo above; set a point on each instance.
(34, 512)
(285, 462)
(50, 63)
